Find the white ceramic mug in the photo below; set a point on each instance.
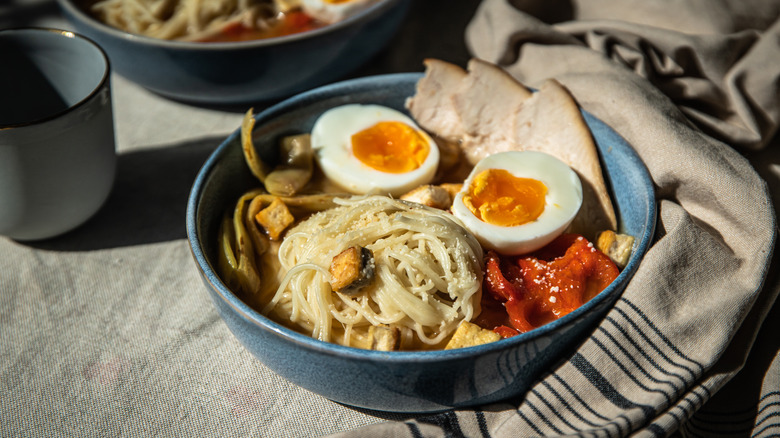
(57, 148)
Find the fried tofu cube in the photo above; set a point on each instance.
(469, 335)
(275, 218)
(384, 338)
(617, 246)
(352, 269)
(429, 195)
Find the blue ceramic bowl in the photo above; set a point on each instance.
(243, 72)
(400, 381)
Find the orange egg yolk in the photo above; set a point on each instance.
(392, 147)
(497, 197)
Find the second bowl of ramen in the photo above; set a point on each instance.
(226, 52)
(391, 336)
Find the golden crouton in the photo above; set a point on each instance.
(384, 338)
(452, 189)
(617, 246)
(468, 335)
(352, 269)
(432, 196)
(275, 218)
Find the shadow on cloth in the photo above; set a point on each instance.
(23, 14)
(148, 202)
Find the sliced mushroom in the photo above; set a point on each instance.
(289, 177)
(296, 161)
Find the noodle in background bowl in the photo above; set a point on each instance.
(228, 73)
(423, 381)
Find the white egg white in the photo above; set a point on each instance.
(332, 145)
(562, 202)
(332, 12)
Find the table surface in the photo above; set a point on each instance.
(138, 235)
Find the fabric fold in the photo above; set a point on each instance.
(725, 83)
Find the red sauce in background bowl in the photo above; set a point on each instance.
(288, 24)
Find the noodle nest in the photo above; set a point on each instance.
(428, 273)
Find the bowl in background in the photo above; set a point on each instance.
(406, 381)
(237, 73)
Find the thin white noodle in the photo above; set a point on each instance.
(186, 20)
(191, 11)
(428, 272)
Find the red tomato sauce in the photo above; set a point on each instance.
(521, 293)
(291, 23)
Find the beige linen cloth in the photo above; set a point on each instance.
(107, 331)
(691, 85)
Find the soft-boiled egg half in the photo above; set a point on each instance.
(332, 11)
(373, 149)
(517, 202)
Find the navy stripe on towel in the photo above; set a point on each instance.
(606, 389)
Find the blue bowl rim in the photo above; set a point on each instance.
(304, 341)
(372, 11)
